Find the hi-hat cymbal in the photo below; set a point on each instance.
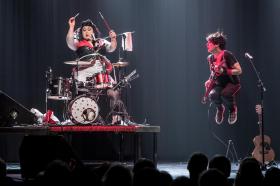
(77, 62)
(120, 64)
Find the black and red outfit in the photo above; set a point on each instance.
(226, 85)
(85, 48)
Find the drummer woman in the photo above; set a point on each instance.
(84, 42)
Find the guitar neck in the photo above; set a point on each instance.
(260, 122)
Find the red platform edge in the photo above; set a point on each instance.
(93, 128)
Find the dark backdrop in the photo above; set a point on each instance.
(169, 54)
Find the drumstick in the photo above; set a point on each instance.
(76, 15)
(105, 22)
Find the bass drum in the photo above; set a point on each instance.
(83, 110)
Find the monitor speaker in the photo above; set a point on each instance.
(14, 113)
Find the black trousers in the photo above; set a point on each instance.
(225, 95)
(116, 104)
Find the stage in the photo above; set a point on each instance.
(136, 132)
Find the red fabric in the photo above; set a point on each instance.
(229, 72)
(47, 118)
(93, 128)
(109, 67)
(84, 43)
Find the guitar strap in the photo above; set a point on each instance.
(227, 67)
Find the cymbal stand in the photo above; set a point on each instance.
(75, 80)
(230, 145)
(48, 76)
(124, 72)
(115, 78)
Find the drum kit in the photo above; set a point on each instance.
(81, 92)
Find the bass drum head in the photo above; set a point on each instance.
(83, 110)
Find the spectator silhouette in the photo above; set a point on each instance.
(143, 163)
(57, 173)
(272, 177)
(212, 177)
(249, 173)
(102, 169)
(146, 177)
(4, 179)
(181, 181)
(197, 163)
(223, 164)
(165, 178)
(117, 175)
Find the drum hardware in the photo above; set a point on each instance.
(59, 89)
(77, 62)
(48, 77)
(80, 62)
(93, 55)
(91, 80)
(117, 117)
(120, 64)
(102, 80)
(121, 117)
(83, 110)
(126, 80)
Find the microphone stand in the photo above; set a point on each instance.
(262, 90)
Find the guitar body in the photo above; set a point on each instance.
(258, 153)
(269, 153)
(207, 90)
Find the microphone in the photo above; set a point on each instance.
(248, 55)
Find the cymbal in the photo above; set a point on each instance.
(120, 64)
(93, 55)
(62, 98)
(77, 62)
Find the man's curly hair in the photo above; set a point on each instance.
(217, 38)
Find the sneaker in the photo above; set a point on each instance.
(129, 122)
(116, 120)
(122, 123)
(220, 114)
(232, 117)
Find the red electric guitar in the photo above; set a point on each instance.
(269, 153)
(212, 80)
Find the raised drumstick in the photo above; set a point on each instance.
(105, 22)
(76, 15)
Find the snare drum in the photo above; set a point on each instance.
(59, 89)
(83, 110)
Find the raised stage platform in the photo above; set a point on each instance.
(68, 130)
